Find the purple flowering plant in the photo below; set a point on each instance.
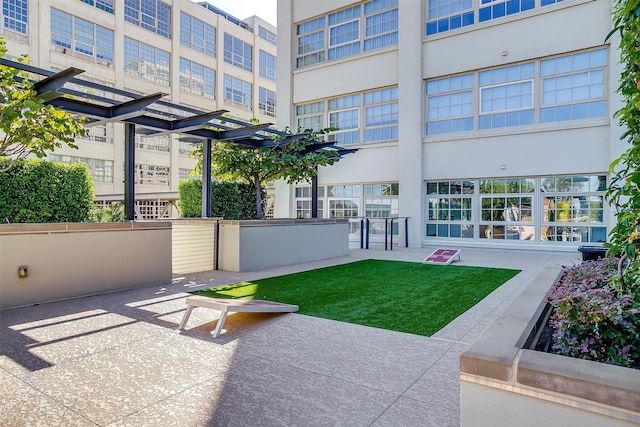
(593, 318)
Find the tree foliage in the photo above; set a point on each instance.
(38, 191)
(623, 192)
(27, 125)
(258, 166)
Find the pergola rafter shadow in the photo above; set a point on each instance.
(151, 115)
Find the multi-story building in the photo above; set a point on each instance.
(484, 122)
(198, 55)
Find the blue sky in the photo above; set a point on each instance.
(265, 9)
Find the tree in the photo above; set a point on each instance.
(623, 192)
(294, 161)
(27, 125)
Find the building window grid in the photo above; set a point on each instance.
(152, 15)
(345, 29)
(106, 5)
(446, 15)
(146, 62)
(185, 148)
(238, 53)
(184, 174)
(99, 133)
(197, 35)
(237, 91)
(75, 36)
(366, 117)
(15, 15)
(267, 35)
(160, 143)
(152, 175)
(451, 101)
(100, 170)
(197, 79)
(267, 65)
(267, 102)
(548, 209)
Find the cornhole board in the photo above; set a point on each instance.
(226, 306)
(442, 256)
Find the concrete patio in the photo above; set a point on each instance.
(117, 360)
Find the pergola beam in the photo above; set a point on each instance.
(47, 88)
(242, 132)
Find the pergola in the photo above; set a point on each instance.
(151, 115)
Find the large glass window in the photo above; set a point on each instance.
(491, 9)
(506, 96)
(267, 66)
(197, 79)
(522, 209)
(562, 88)
(381, 115)
(267, 35)
(106, 5)
(344, 116)
(145, 61)
(310, 116)
(303, 202)
(381, 200)
(344, 201)
(573, 86)
(15, 15)
(197, 35)
(311, 42)
(100, 170)
(450, 104)
(237, 91)
(75, 36)
(381, 24)
(449, 209)
(152, 15)
(267, 102)
(160, 143)
(507, 209)
(445, 15)
(152, 175)
(238, 53)
(369, 26)
(367, 117)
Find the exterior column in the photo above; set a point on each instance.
(206, 178)
(410, 91)
(129, 171)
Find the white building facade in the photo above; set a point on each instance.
(485, 123)
(198, 55)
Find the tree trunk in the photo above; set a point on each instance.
(258, 188)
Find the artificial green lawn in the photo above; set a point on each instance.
(400, 296)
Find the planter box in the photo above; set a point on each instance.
(255, 245)
(504, 383)
(68, 260)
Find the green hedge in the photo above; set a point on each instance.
(38, 191)
(229, 200)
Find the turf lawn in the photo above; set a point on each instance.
(401, 296)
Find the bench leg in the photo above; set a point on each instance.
(218, 329)
(185, 317)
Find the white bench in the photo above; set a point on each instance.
(226, 306)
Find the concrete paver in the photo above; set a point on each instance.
(117, 359)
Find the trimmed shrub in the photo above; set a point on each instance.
(38, 191)
(229, 200)
(592, 319)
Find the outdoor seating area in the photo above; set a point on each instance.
(119, 359)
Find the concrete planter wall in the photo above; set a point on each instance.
(502, 383)
(254, 245)
(76, 259)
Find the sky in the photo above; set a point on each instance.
(265, 9)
